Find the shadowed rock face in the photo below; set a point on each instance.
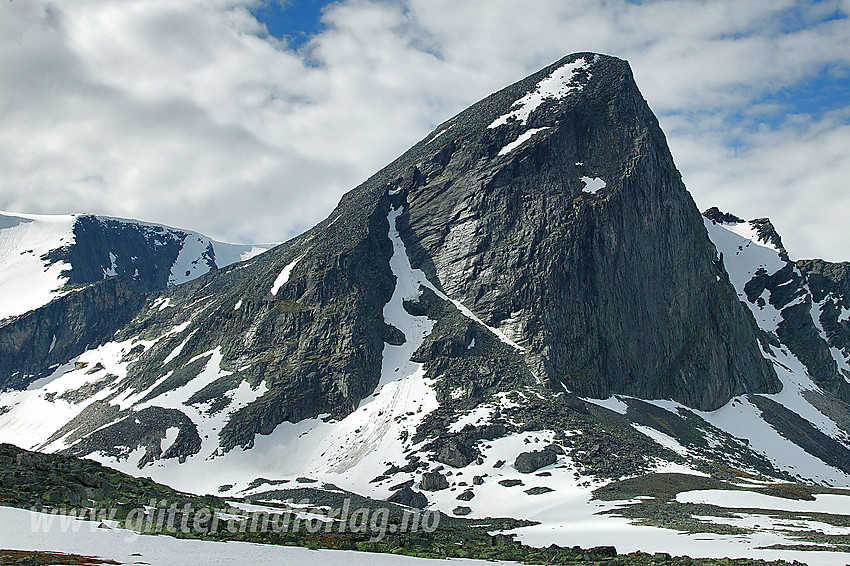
(616, 291)
(35, 342)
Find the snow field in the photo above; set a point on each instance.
(25, 284)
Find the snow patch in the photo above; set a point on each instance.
(26, 282)
(742, 419)
(112, 270)
(742, 258)
(559, 84)
(524, 137)
(663, 439)
(613, 403)
(592, 185)
(224, 252)
(28, 530)
(823, 503)
(192, 261)
(477, 416)
(40, 411)
(176, 351)
(284, 275)
(440, 133)
(169, 439)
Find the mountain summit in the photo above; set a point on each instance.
(530, 287)
(553, 209)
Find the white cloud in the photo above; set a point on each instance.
(797, 174)
(184, 112)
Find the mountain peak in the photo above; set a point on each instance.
(555, 187)
(763, 228)
(542, 238)
(529, 295)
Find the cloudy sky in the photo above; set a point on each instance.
(247, 119)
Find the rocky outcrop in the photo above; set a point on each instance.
(31, 479)
(433, 481)
(716, 215)
(143, 429)
(768, 234)
(32, 345)
(830, 286)
(409, 497)
(141, 255)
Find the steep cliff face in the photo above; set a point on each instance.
(33, 345)
(582, 242)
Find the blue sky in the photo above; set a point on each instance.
(248, 119)
(826, 91)
(296, 21)
(293, 21)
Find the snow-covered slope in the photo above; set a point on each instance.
(26, 280)
(41, 254)
(782, 302)
(27, 530)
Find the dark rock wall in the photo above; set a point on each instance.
(614, 292)
(144, 254)
(79, 320)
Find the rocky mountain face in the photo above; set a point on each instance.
(612, 288)
(807, 301)
(528, 297)
(70, 282)
(803, 310)
(33, 343)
